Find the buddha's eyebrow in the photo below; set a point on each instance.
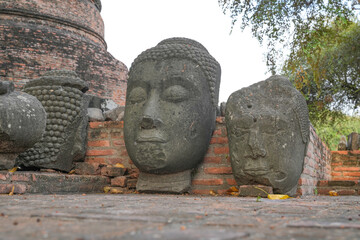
(138, 83)
(178, 79)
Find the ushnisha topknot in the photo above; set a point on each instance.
(188, 49)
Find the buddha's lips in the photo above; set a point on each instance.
(256, 171)
(150, 136)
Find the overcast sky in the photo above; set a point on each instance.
(134, 26)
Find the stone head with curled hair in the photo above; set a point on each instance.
(268, 131)
(171, 102)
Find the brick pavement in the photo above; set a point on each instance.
(140, 216)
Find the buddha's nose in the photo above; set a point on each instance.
(151, 114)
(149, 122)
(256, 144)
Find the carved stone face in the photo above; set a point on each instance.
(169, 116)
(265, 137)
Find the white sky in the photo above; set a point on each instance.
(132, 26)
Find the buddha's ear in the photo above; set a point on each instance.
(302, 114)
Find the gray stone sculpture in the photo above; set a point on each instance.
(22, 123)
(268, 130)
(61, 93)
(170, 112)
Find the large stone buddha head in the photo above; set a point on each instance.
(268, 130)
(171, 101)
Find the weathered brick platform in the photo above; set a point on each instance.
(50, 183)
(140, 216)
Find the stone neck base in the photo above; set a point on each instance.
(164, 183)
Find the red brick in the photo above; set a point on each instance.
(119, 181)
(218, 170)
(212, 159)
(96, 124)
(104, 152)
(7, 188)
(344, 192)
(350, 169)
(340, 152)
(220, 119)
(355, 152)
(336, 174)
(217, 132)
(100, 160)
(98, 135)
(231, 181)
(201, 191)
(21, 177)
(322, 183)
(345, 178)
(221, 150)
(99, 143)
(118, 143)
(219, 140)
(3, 176)
(336, 163)
(351, 174)
(207, 182)
(116, 135)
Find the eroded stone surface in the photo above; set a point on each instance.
(171, 105)
(22, 123)
(61, 93)
(268, 130)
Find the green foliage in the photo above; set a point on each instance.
(331, 131)
(286, 22)
(327, 70)
(323, 43)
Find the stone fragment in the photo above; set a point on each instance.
(84, 168)
(61, 93)
(112, 171)
(95, 115)
(268, 130)
(353, 141)
(22, 123)
(120, 181)
(170, 111)
(254, 191)
(116, 114)
(342, 144)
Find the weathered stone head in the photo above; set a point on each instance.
(22, 123)
(61, 92)
(171, 102)
(268, 131)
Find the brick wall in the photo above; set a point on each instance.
(40, 35)
(345, 165)
(214, 175)
(317, 165)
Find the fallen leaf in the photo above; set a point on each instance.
(277, 196)
(116, 191)
(107, 189)
(13, 169)
(72, 171)
(12, 191)
(212, 193)
(233, 191)
(183, 228)
(333, 193)
(119, 165)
